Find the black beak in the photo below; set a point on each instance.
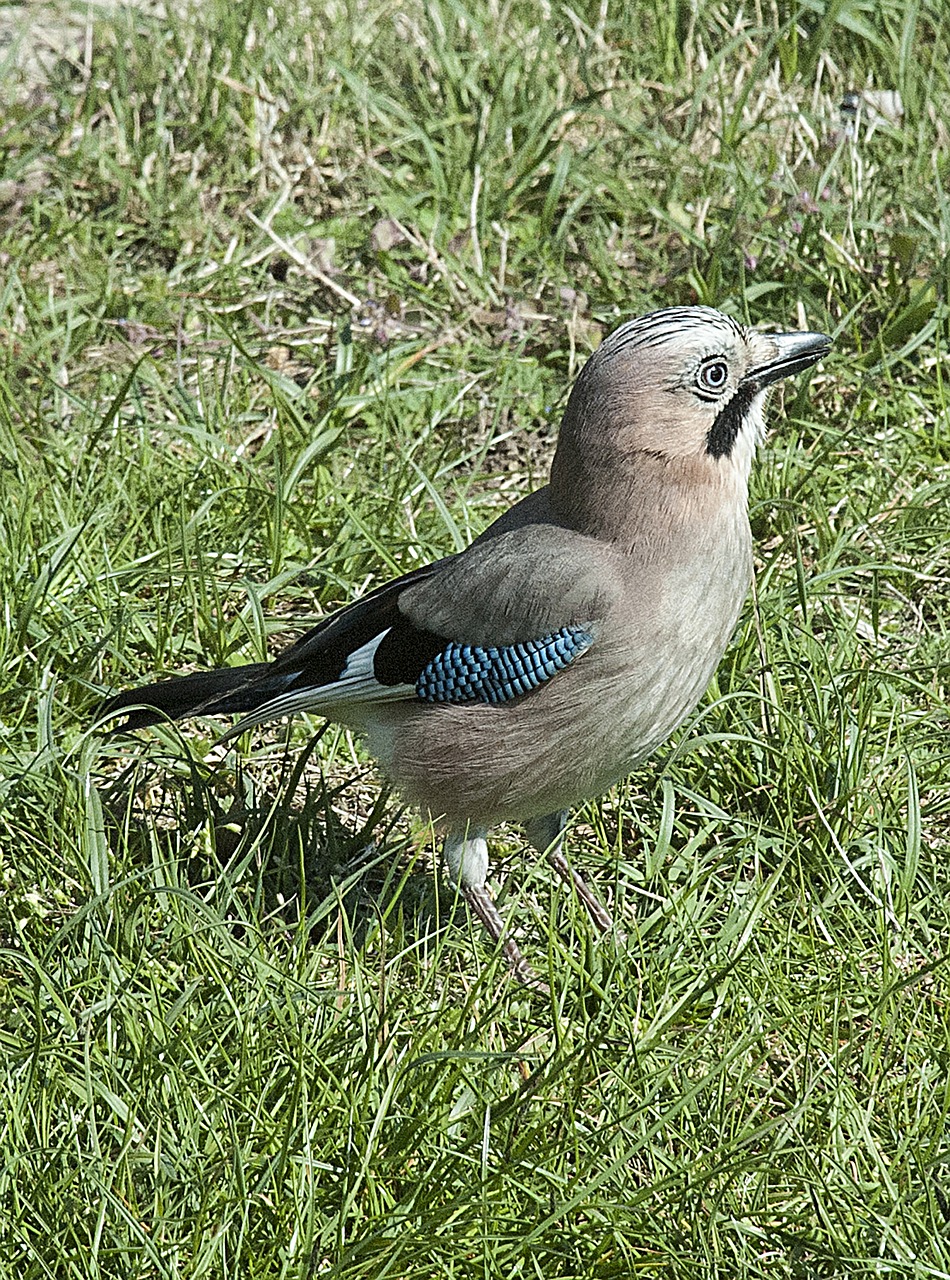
(794, 352)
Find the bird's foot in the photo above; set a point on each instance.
(480, 902)
(573, 879)
(546, 833)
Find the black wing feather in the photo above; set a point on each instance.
(316, 659)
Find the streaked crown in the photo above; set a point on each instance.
(685, 382)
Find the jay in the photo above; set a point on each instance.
(540, 665)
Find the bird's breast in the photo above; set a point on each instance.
(593, 722)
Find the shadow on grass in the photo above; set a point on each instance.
(276, 853)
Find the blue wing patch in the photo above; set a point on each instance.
(469, 673)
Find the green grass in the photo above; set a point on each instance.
(290, 300)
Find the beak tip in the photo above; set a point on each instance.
(795, 352)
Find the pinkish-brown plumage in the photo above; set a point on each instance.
(638, 551)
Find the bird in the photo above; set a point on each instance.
(540, 665)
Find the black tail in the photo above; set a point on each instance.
(207, 693)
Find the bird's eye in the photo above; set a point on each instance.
(713, 376)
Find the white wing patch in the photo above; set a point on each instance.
(356, 684)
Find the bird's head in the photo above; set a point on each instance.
(685, 385)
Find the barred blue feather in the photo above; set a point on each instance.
(469, 673)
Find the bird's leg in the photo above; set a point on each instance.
(546, 834)
(466, 857)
